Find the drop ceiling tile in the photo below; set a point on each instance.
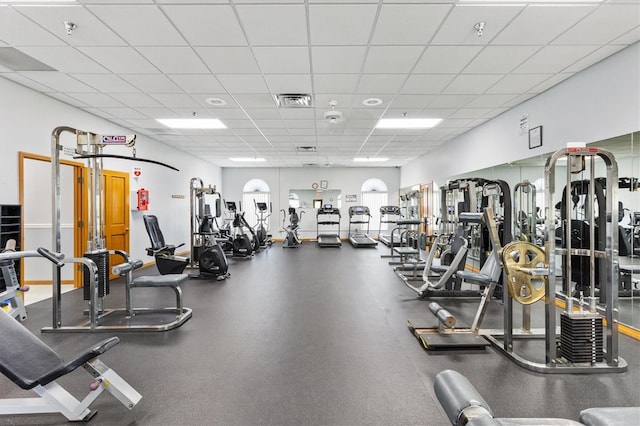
(17, 30)
(426, 83)
(540, 24)
(174, 60)
(388, 59)
(359, 98)
(227, 113)
(58, 81)
(171, 100)
(136, 100)
(299, 124)
(341, 24)
(27, 82)
(286, 60)
(412, 101)
(553, 59)
(451, 101)
(121, 60)
(297, 113)
(593, 58)
(98, 112)
(490, 101)
(499, 59)
(380, 83)
(270, 124)
(69, 100)
(254, 100)
(464, 113)
(106, 83)
(401, 112)
(519, 99)
(446, 59)
(517, 83)
(550, 82)
(210, 25)
(98, 100)
(471, 84)
(301, 132)
(273, 25)
(607, 23)
(365, 114)
(196, 83)
(335, 83)
(417, 21)
(64, 59)
(629, 37)
(243, 83)
(89, 30)
(125, 20)
(263, 113)
(322, 100)
(239, 124)
(289, 83)
(338, 59)
(458, 29)
(437, 112)
(157, 112)
(201, 98)
(228, 60)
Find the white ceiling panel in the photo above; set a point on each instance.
(17, 30)
(98, 100)
(606, 24)
(254, 100)
(74, 102)
(446, 59)
(152, 83)
(139, 25)
(499, 59)
(286, 60)
(171, 100)
(381, 83)
(228, 60)
(157, 112)
(427, 83)
(272, 25)
(336, 60)
(458, 28)
(553, 59)
(64, 59)
(418, 23)
(193, 83)
(412, 101)
(517, 83)
(471, 84)
(539, 24)
(89, 30)
(469, 113)
(341, 24)
(628, 38)
(106, 83)
(451, 101)
(58, 81)
(122, 60)
(322, 100)
(136, 100)
(335, 83)
(289, 83)
(550, 82)
(243, 83)
(174, 60)
(490, 101)
(592, 58)
(388, 59)
(27, 82)
(202, 25)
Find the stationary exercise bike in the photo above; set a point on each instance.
(291, 240)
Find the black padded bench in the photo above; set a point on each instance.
(31, 364)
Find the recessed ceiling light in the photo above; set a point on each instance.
(372, 102)
(370, 159)
(215, 101)
(407, 123)
(248, 159)
(192, 123)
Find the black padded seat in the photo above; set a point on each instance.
(610, 416)
(29, 362)
(159, 280)
(407, 222)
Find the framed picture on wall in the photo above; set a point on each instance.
(324, 184)
(535, 137)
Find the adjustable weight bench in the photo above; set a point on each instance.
(464, 405)
(31, 364)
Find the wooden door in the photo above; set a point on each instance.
(116, 221)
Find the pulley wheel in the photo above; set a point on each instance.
(524, 288)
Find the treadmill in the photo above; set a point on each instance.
(328, 216)
(360, 215)
(388, 214)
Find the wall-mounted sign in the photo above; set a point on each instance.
(324, 184)
(351, 198)
(535, 137)
(524, 124)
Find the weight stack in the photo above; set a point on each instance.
(581, 337)
(101, 259)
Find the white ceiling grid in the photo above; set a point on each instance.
(134, 61)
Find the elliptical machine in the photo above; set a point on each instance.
(262, 228)
(291, 240)
(243, 244)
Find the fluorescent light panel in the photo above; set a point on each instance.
(248, 159)
(370, 159)
(192, 123)
(407, 123)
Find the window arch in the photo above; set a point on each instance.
(254, 191)
(374, 195)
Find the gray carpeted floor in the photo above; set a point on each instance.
(308, 336)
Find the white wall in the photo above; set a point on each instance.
(600, 102)
(27, 119)
(280, 180)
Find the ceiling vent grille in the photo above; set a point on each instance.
(293, 100)
(310, 165)
(306, 148)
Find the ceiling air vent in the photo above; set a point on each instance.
(293, 100)
(310, 165)
(306, 148)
